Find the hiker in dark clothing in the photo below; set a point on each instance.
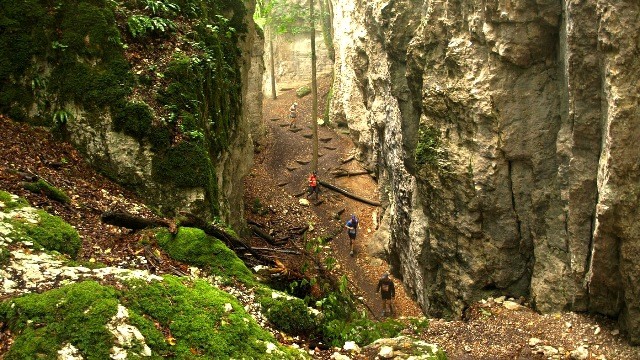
(352, 230)
(387, 292)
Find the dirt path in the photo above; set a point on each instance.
(280, 173)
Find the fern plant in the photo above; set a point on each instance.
(61, 117)
(142, 25)
(162, 7)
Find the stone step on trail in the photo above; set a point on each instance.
(303, 162)
(283, 125)
(275, 119)
(291, 168)
(330, 147)
(325, 139)
(307, 136)
(295, 130)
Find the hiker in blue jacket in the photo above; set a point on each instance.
(352, 230)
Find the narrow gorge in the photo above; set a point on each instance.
(503, 136)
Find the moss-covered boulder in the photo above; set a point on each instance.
(20, 222)
(194, 247)
(303, 91)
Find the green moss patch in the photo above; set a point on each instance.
(206, 322)
(178, 318)
(303, 91)
(9, 202)
(280, 312)
(75, 314)
(428, 149)
(134, 119)
(50, 191)
(50, 232)
(185, 165)
(81, 45)
(194, 247)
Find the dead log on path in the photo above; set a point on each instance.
(283, 251)
(264, 235)
(350, 158)
(339, 172)
(133, 222)
(348, 194)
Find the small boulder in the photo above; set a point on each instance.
(386, 352)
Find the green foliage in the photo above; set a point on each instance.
(303, 91)
(283, 16)
(428, 150)
(162, 7)
(50, 191)
(134, 119)
(61, 117)
(185, 165)
(9, 202)
(50, 232)
(282, 311)
(194, 247)
(141, 26)
(63, 35)
(203, 91)
(74, 314)
(5, 257)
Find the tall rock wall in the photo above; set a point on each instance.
(502, 132)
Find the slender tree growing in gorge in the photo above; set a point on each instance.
(314, 88)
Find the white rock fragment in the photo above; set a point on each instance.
(499, 300)
(228, 307)
(386, 352)
(597, 330)
(271, 347)
(351, 346)
(615, 332)
(69, 352)
(338, 356)
(581, 353)
(534, 341)
(549, 350)
(304, 202)
(126, 336)
(511, 305)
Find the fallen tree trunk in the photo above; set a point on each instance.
(263, 234)
(343, 173)
(135, 222)
(130, 221)
(348, 194)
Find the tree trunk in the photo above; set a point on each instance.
(314, 89)
(348, 194)
(272, 65)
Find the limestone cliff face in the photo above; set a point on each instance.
(502, 132)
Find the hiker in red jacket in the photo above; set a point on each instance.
(313, 184)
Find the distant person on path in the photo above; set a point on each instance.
(313, 184)
(352, 230)
(387, 292)
(293, 114)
